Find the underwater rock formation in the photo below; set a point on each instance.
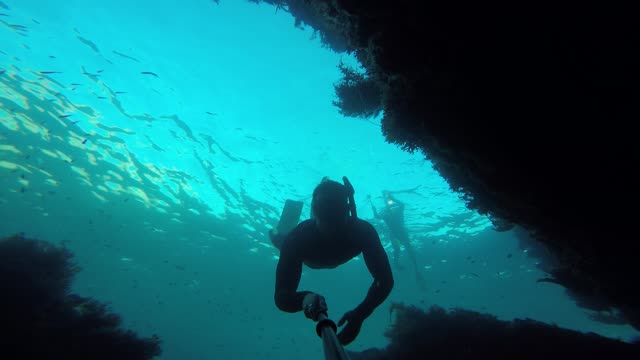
(41, 319)
(462, 334)
(526, 112)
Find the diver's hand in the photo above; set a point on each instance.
(314, 305)
(352, 329)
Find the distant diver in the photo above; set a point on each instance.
(393, 216)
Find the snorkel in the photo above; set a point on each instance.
(350, 193)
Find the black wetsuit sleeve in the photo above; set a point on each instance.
(288, 274)
(375, 213)
(378, 264)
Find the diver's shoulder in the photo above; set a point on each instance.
(297, 237)
(306, 223)
(363, 225)
(303, 226)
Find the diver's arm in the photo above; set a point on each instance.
(412, 190)
(288, 274)
(375, 213)
(378, 264)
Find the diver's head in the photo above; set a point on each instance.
(388, 199)
(330, 204)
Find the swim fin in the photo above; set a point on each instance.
(290, 216)
(288, 221)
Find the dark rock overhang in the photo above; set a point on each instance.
(524, 109)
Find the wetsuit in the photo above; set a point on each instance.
(306, 244)
(393, 216)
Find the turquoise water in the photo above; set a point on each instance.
(165, 183)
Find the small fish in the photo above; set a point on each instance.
(121, 92)
(149, 73)
(99, 71)
(84, 141)
(509, 256)
(212, 114)
(64, 116)
(50, 72)
(51, 57)
(35, 21)
(101, 97)
(549, 280)
(75, 122)
(125, 56)
(75, 84)
(474, 274)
